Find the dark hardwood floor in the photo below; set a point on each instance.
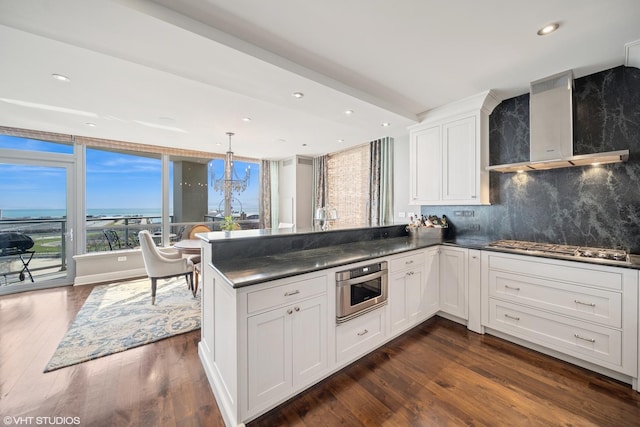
(159, 384)
(438, 374)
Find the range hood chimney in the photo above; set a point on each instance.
(551, 129)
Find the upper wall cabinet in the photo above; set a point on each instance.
(449, 151)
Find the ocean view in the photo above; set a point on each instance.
(58, 213)
(106, 212)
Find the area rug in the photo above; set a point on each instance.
(119, 316)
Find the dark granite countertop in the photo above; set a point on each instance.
(250, 271)
(246, 271)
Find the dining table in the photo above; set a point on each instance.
(188, 246)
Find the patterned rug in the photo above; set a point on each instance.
(120, 316)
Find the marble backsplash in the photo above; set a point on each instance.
(585, 206)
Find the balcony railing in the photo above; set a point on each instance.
(103, 234)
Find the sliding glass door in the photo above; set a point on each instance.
(36, 221)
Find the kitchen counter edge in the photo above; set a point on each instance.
(251, 271)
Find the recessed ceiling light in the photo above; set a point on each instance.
(348, 112)
(60, 77)
(341, 140)
(297, 95)
(246, 119)
(90, 124)
(548, 29)
(386, 124)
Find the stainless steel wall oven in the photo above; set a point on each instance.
(360, 290)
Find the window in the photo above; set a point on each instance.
(348, 186)
(60, 145)
(123, 195)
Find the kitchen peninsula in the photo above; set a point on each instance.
(269, 303)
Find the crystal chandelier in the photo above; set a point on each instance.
(229, 183)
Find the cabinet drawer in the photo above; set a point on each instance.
(405, 262)
(285, 294)
(570, 272)
(593, 343)
(359, 335)
(594, 305)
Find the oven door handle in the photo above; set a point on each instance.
(361, 279)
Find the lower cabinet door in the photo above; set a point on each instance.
(269, 348)
(309, 343)
(453, 281)
(397, 302)
(407, 299)
(287, 349)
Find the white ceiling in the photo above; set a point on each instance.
(183, 72)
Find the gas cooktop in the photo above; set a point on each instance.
(568, 250)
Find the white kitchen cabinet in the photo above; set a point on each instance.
(287, 347)
(360, 335)
(454, 281)
(474, 322)
(449, 152)
(426, 165)
(413, 288)
(444, 163)
(432, 281)
(407, 291)
(582, 310)
(263, 343)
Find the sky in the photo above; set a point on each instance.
(114, 180)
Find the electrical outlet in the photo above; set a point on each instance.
(122, 258)
(475, 227)
(458, 213)
(401, 214)
(467, 213)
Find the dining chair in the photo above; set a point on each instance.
(200, 228)
(162, 263)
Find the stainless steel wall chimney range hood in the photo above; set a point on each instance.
(551, 129)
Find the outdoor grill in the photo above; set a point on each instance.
(13, 243)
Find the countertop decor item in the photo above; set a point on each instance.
(228, 224)
(430, 226)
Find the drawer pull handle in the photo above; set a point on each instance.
(363, 333)
(511, 317)
(408, 262)
(297, 309)
(583, 338)
(512, 287)
(409, 273)
(289, 311)
(288, 294)
(590, 304)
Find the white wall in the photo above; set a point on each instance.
(97, 267)
(294, 191)
(401, 208)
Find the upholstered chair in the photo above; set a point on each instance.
(162, 263)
